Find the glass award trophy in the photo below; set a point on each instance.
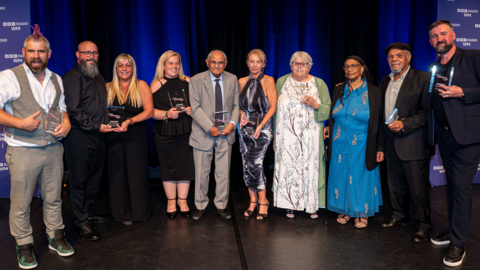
(393, 117)
(116, 115)
(221, 120)
(178, 99)
(253, 120)
(53, 117)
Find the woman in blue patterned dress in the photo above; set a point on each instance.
(356, 126)
(258, 95)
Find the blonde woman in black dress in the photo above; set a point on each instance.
(172, 130)
(258, 95)
(127, 148)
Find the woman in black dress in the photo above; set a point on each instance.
(259, 96)
(127, 145)
(172, 130)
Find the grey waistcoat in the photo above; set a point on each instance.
(26, 105)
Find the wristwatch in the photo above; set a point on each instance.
(463, 96)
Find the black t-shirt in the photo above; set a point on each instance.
(442, 77)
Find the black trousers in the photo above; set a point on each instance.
(461, 164)
(85, 154)
(404, 177)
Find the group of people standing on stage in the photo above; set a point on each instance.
(442, 107)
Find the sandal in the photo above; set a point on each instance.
(290, 214)
(262, 216)
(314, 215)
(247, 212)
(342, 219)
(128, 222)
(361, 220)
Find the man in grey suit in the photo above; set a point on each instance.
(213, 91)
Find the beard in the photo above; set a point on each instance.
(39, 69)
(445, 49)
(89, 70)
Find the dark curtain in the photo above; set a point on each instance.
(328, 30)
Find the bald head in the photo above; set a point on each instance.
(84, 44)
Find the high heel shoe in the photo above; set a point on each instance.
(247, 212)
(184, 213)
(262, 216)
(172, 215)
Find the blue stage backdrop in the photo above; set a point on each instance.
(465, 18)
(14, 28)
(328, 30)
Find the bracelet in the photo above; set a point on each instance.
(131, 120)
(262, 125)
(165, 116)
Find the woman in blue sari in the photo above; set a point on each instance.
(356, 126)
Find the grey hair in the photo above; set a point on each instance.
(304, 55)
(210, 54)
(40, 39)
(408, 53)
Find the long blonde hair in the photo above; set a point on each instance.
(133, 91)
(160, 72)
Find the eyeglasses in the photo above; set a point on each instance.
(221, 63)
(298, 64)
(354, 66)
(90, 53)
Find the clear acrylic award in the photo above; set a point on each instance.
(253, 120)
(393, 117)
(221, 120)
(53, 117)
(178, 99)
(116, 116)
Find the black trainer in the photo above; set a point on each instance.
(442, 238)
(60, 245)
(25, 256)
(454, 256)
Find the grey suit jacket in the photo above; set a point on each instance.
(202, 101)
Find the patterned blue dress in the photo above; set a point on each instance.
(352, 189)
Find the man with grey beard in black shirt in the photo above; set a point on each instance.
(86, 100)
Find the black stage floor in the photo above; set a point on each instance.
(241, 243)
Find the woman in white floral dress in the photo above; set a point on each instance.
(303, 105)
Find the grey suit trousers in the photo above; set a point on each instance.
(27, 165)
(203, 162)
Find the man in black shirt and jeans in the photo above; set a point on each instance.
(455, 116)
(86, 100)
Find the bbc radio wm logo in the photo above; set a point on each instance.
(15, 25)
(467, 12)
(2, 8)
(17, 58)
(3, 40)
(477, 25)
(466, 41)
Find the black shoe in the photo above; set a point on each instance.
(173, 214)
(98, 218)
(454, 256)
(87, 233)
(394, 222)
(184, 213)
(198, 215)
(223, 213)
(420, 237)
(25, 256)
(60, 244)
(442, 238)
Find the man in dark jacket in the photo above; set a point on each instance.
(407, 152)
(86, 100)
(455, 122)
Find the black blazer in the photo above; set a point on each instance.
(412, 105)
(375, 137)
(463, 115)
